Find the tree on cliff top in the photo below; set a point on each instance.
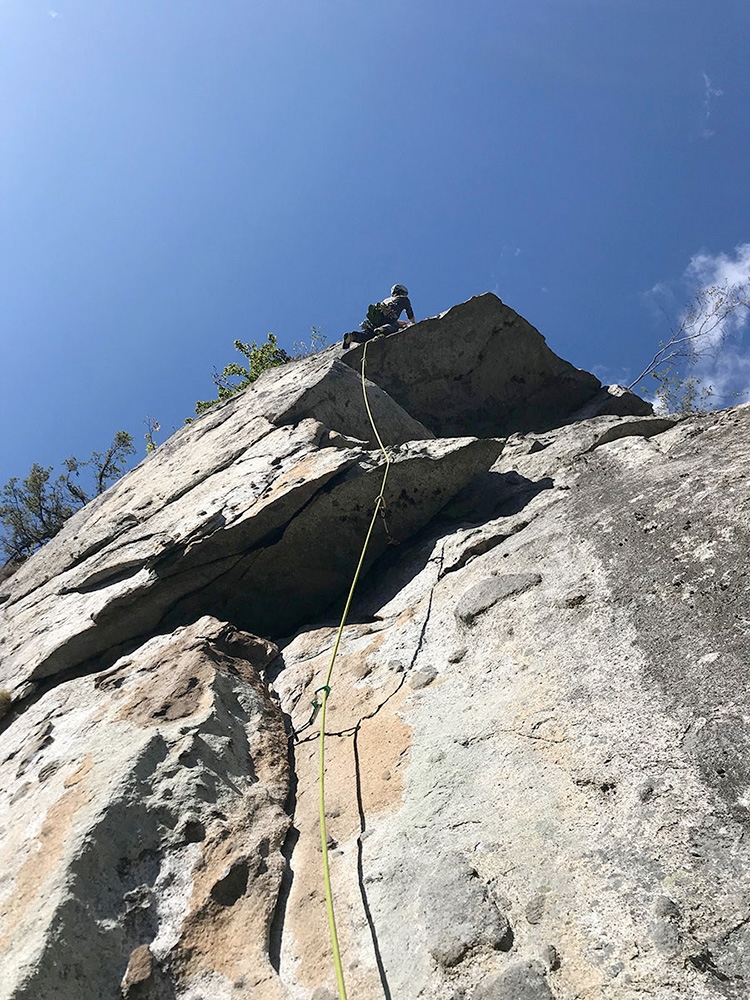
(235, 377)
(259, 359)
(34, 509)
(692, 353)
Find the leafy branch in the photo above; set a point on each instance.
(702, 331)
(235, 376)
(33, 510)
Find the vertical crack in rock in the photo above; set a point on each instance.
(361, 870)
(276, 931)
(382, 973)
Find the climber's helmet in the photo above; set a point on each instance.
(399, 290)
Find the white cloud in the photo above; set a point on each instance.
(721, 268)
(709, 94)
(720, 284)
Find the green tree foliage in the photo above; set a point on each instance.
(318, 342)
(152, 426)
(259, 358)
(34, 509)
(235, 377)
(680, 393)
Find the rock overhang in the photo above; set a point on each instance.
(165, 541)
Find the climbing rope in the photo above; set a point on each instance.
(325, 690)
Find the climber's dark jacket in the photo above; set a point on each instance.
(383, 318)
(394, 305)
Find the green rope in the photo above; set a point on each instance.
(326, 689)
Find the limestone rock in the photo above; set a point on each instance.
(231, 516)
(520, 981)
(143, 814)
(478, 369)
(296, 575)
(527, 758)
(562, 454)
(613, 401)
(537, 730)
(484, 595)
(458, 913)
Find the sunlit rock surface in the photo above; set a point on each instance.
(537, 766)
(479, 368)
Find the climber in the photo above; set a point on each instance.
(383, 317)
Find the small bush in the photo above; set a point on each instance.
(259, 360)
(681, 395)
(6, 702)
(152, 426)
(318, 342)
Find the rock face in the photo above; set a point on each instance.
(613, 401)
(144, 818)
(252, 491)
(481, 369)
(537, 752)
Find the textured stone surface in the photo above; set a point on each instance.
(520, 981)
(581, 747)
(458, 913)
(295, 575)
(614, 401)
(484, 595)
(537, 754)
(143, 820)
(233, 503)
(479, 368)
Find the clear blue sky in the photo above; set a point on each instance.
(177, 174)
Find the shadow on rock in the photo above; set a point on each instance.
(487, 497)
(490, 495)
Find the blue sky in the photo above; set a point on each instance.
(177, 174)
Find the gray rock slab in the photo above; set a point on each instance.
(584, 754)
(240, 437)
(562, 811)
(323, 387)
(560, 454)
(479, 368)
(126, 853)
(123, 589)
(221, 488)
(520, 981)
(292, 579)
(458, 913)
(616, 401)
(487, 593)
(688, 521)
